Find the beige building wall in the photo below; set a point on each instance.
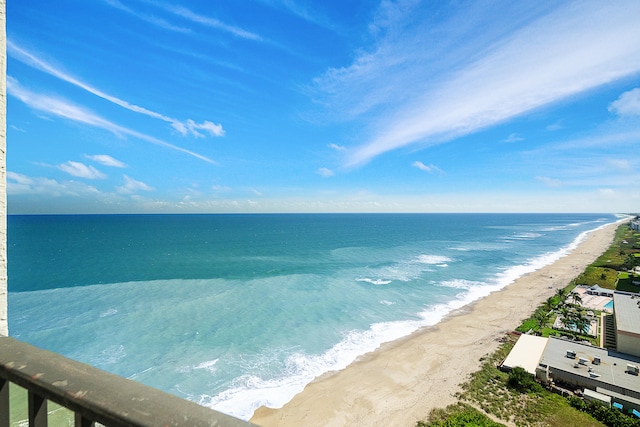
(4, 327)
(628, 343)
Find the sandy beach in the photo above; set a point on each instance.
(399, 383)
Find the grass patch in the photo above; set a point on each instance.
(458, 415)
(19, 410)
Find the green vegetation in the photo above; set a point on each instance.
(610, 417)
(488, 390)
(522, 381)
(19, 415)
(459, 415)
(516, 397)
(623, 254)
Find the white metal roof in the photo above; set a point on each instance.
(526, 353)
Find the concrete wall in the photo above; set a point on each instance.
(628, 343)
(4, 327)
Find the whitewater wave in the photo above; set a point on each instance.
(248, 392)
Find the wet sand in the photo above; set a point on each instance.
(399, 383)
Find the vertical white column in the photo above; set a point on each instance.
(4, 327)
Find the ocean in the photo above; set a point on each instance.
(238, 311)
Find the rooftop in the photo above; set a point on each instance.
(611, 370)
(627, 312)
(526, 353)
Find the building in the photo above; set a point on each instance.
(626, 314)
(526, 353)
(582, 366)
(597, 290)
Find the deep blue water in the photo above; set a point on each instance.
(237, 311)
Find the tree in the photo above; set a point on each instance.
(522, 381)
(561, 293)
(576, 298)
(542, 318)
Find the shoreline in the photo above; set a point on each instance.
(401, 381)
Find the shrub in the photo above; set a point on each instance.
(522, 381)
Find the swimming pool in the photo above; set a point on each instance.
(609, 305)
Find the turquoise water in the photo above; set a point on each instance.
(238, 311)
(609, 305)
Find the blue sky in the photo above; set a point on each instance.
(143, 106)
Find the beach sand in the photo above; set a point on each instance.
(399, 383)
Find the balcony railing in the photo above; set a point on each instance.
(94, 396)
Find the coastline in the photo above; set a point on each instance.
(400, 382)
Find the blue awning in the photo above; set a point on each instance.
(617, 405)
(636, 413)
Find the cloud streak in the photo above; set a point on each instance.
(62, 108)
(426, 168)
(105, 160)
(81, 170)
(188, 127)
(628, 104)
(555, 54)
(192, 16)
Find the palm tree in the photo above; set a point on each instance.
(561, 293)
(548, 304)
(542, 318)
(576, 298)
(4, 328)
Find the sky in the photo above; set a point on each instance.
(243, 106)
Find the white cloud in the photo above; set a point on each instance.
(608, 192)
(507, 64)
(63, 108)
(325, 173)
(550, 182)
(19, 184)
(336, 147)
(256, 192)
(147, 18)
(132, 186)
(106, 160)
(555, 126)
(430, 168)
(514, 137)
(191, 127)
(620, 164)
(209, 22)
(221, 188)
(81, 170)
(183, 127)
(628, 104)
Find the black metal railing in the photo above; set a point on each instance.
(93, 395)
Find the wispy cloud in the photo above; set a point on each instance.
(159, 22)
(20, 184)
(325, 172)
(543, 57)
(514, 137)
(303, 11)
(132, 186)
(188, 127)
(192, 16)
(81, 170)
(105, 160)
(62, 108)
(336, 147)
(620, 164)
(550, 182)
(427, 168)
(628, 104)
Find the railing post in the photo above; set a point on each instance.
(37, 410)
(81, 421)
(4, 403)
